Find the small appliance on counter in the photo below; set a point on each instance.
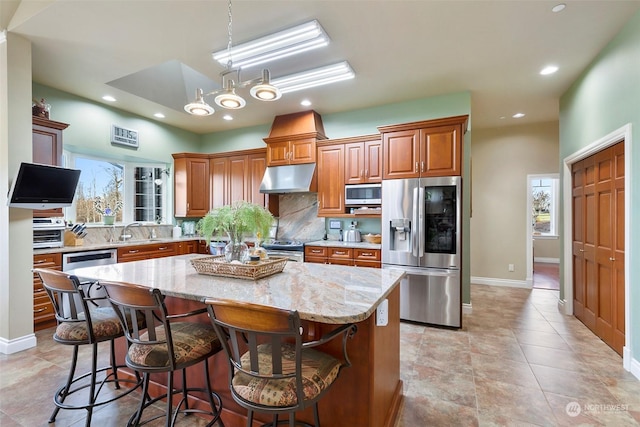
(352, 234)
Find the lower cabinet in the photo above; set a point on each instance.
(43, 314)
(360, 257)
(188, 247)
(149, 251)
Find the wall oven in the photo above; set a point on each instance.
(48, 232)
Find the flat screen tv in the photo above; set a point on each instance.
(39, 186)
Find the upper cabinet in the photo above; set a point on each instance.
(423, 149)
(191, 184)
(292, 139)
(363, 159)
(47, 150)
(331, 180)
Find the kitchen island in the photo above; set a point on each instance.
(366, 394)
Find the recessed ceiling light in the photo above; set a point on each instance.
(305, 103)
(502, 117)
(109, 98)
(227, 117)
(159, 115)
(559, 7)
(518, 115)
(549, 69)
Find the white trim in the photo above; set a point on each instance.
(544, 260)
(467, 308)
(608, 140)
(17, 344)
(500, 282)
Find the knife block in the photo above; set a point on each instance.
(70, 239)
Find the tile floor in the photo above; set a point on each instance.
(516, 361)
(545, 276)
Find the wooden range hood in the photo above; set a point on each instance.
(305, 124)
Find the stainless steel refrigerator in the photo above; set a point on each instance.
(421, 223)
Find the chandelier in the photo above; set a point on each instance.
(261, 88)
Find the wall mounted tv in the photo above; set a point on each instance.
(39, 186)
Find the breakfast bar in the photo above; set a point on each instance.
(366, 394)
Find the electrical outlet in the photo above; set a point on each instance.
(382, 313)
(512, 267)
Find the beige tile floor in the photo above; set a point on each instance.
(516, 362)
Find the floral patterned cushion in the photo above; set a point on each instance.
(319, 370)
(190, 341)
(105, 321)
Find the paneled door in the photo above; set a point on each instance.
(598, 244)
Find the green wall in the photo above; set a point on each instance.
(605, 98)
(90, 129)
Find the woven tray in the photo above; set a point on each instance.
(217, 266)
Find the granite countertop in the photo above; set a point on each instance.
(339, 244)
(323, 293)
(114, 245)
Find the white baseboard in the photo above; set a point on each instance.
(466, 308)
(500, 282)
(17, 344)
(547, 260)
(629, 363)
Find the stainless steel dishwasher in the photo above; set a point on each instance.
(73, 260)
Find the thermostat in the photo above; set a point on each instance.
(335, 225)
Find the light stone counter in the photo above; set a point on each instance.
(341, 244)
(322, 293)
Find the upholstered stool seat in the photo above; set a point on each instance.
(81, 321)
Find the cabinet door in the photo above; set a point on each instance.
(373, 161)
(278, 153)
(401, 153)
(238, 179)
(302, 151)
(219, 181)
(341, 256)
(441, 149)
(354, 158)
(43, 314)
(331, 180)
(315, 254)
(190, 186)
(47, 150)
(257, 164)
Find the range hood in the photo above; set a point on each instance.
(299, 177)
(288, 178)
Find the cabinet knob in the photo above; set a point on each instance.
(366, 173)
(133, 251)
(40, 310)
(361, 173)
(422, 166)
(164, 248)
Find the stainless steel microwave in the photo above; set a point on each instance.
(363, 194)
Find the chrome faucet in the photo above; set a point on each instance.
(124, 236)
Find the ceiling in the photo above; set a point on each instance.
(400, 50)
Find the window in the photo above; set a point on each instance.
(544, 203)
(130, 191)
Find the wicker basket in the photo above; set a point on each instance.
(218, 266)
(372, 238)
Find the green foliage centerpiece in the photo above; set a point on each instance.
(236, 220)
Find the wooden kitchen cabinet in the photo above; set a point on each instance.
(331, 180)
(43, 314)
(292, 138)
(363, 160)
(146, 251)
(187, 247)
(47, 150)
(341, 255)
(191, 184)
(423, 149)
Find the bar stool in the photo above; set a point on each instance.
(278, 373)
(168, 344)
(81, 321)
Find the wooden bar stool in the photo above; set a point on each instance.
(271, 369)
(82, 321)
(168, 344)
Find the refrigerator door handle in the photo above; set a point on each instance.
(421, 222)
(414, 226)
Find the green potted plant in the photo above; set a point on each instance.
(236, 221)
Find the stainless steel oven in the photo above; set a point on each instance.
(48, 232)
